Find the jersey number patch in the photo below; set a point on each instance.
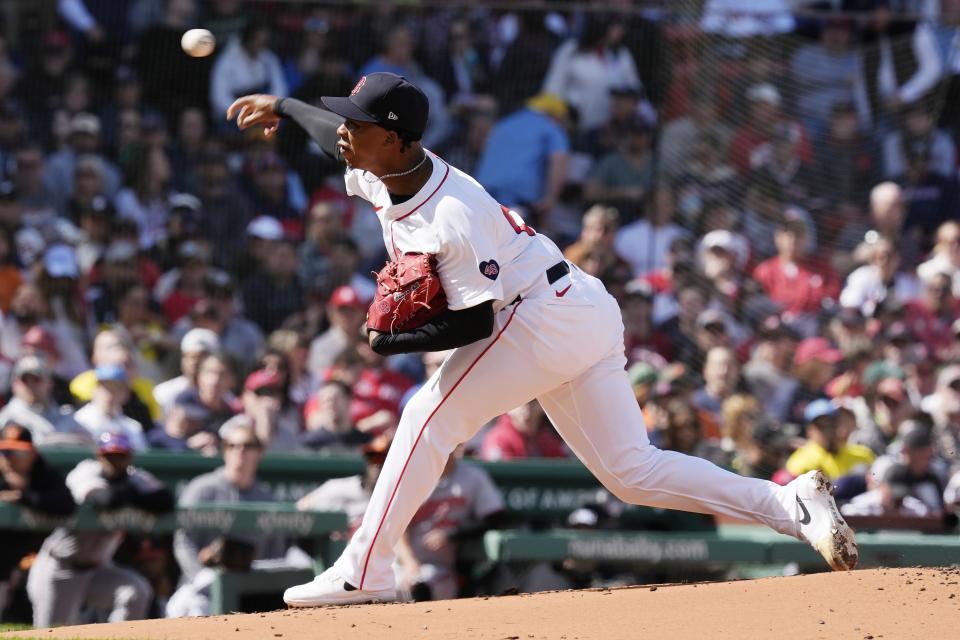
(517, 222)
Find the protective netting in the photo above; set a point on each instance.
(770, 178)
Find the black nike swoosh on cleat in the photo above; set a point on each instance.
(348, 587)
(806, 514)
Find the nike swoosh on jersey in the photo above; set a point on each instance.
(563, 291)
(376, 208)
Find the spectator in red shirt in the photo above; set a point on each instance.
(799, 284)
(522, 433)
(765, 114)
(377, 393)
(931, 315)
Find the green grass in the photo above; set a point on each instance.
(25, 627)
(5, 627)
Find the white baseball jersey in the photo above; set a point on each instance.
(484, 251)
(561, 343)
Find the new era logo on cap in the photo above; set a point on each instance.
(392, 116)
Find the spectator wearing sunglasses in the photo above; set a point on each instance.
(33, 407)
(235, 481)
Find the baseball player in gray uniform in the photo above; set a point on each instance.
(523, 323)
(464, 504)
(74, 569)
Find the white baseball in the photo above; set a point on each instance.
(198, 43)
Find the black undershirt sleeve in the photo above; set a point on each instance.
(320, 124)
(449, 330)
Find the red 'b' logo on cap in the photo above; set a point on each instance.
(360, 83)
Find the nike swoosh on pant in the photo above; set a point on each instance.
(563, 291)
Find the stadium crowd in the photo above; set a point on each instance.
(777, 216)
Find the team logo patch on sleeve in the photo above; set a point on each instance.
(490, 269)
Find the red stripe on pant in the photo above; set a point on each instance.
(363, 575)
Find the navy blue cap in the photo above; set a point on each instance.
(386, 99)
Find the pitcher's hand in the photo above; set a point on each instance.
(256, 109)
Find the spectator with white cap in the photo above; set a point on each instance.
(104, 413)
(722, 256)
(193, 346)
(262, 233)
(61, 165)
(346, 312)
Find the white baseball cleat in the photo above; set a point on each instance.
(821, 523)
(329, 588)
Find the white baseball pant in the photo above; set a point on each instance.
(568, 353)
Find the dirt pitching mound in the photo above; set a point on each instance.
(896, 604)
